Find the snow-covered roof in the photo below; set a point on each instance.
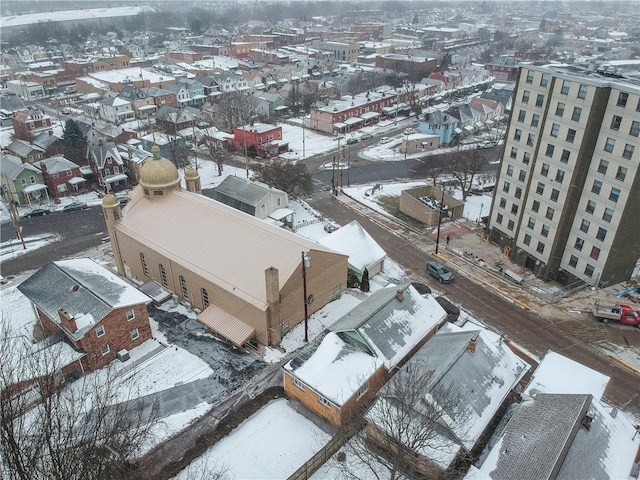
(83, 288)
(354, 241)
(392, 321)
(71, 15)
(56, 164)
(250, 193)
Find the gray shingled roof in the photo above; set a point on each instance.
(242, 190)
(12, 166)
(57, 164)
(22, 148)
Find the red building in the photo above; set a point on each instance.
(261, 139)
(28, 123)
(187, 57)
(416, 67)
(61, 176)
(99, 314)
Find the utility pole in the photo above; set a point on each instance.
(14, 216)
(439, 220)
(333, 176)
(306, 262)
(246, 156)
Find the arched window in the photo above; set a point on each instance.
(163, 276)
(205, 298)
(183, 287)
(145, 269)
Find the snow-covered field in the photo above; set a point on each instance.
(271, 444)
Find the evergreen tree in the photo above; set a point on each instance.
(74, 142)
(364, 283)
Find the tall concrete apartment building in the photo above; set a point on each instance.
(567, 199)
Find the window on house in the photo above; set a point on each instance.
(99, 331)
(526, 158)
(183, 287)
(135, 334)
(503, 202)
(595, 253)
(61, 187)
(555, 129)
(544, 231)
(278, 202)
(622, 174)
(540, 188)
(56, 175)
(163, 276)
(510, 170)
(635, 128)
(559, 176)
(588, 270)
(584, 226)
(622, 99)
(32, 179)
(105, 349)
(143, 262)
(535, 206)
(560, 109)
(324, 401)
(582, 91)
(550, 213)
(607, 215)
(499, 218)
(514, 209)
(615, 122)
(525, 96)
(510, 225)
(550, 149)
(566, 84)
(628, 151)
(529, 77)
(579, 244)
(205, 297)
(527, 239)
(577, 112)
(539, 100)
(131, 314)
(517, 134)
(522, 175)
(298, 383)
(609, 144)
(522, 115)
(597, 186)
(535, 119)
(591, 206)
(514, 152)
(540, 247)
(531, 223)
(573, 261)
(571, 135)
(554, 195)
(615, 194)
(531, 139)
(564, 158)
(602, 168)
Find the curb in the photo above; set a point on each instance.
(625, 364)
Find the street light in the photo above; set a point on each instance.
(439, 220)
(306, 263)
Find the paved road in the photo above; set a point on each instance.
(525, 328)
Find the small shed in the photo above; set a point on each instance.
(419, 142)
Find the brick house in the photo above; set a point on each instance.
(62, 176)
(98, 313)
(341, 373)
(260, 139)
(107, 166)
(27, 123)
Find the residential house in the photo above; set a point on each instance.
(196, 91)
(449, 392)
(48, 142)
(21, 181)
(9, 103)
(142, 103)
(26, 90)
(134, 157)
(227, 82)
(415, 67)
(341, 373)
(260, 139)
(107, 166)
(173, 119)
(25, 151)
(181, 92)
(450, 124)
(62, 176)
(485, 111)
(267, 104)
(500, 93)
(116, 109)
(99, 314)
(30, 122)
(255, 199)
(363, 251)
(161, 96)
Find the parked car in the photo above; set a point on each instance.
(410, 131)
(486, 144)
(74, 206)
(352, 140)
(439, 271)
(366, 136)
(65, 111)
(385, 140)
(36, 212)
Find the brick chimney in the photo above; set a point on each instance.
(472, 345)
(399, 295)
(67, 320)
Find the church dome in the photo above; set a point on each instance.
(191, 173)
(158, 173)
(110, 201)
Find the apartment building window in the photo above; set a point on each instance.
(539, 100)
(588, 270)
(163, 276)
(510, 225)
(522, 176)
(554, 195)
(499, 218)
(550, 213)
(514, 152)
(615, 194)
(205, 297)
(522, 115)
(514, 209)
(544, 80)
(571, 135)
(566, 84)
(564, 158)
(555, 129)
(531, 139)
(525, 96)
(602, 168)
(622, 99)
(518, 134)
(540, 247)
(105, 349)
(609, 144)
(628, 151)
(622, 173)
(550, 149)
(526, 158)
(595, 253)
(560, 176)
(544, 171)
(584, 226)
(597, 186)
(131, 314)
(577, 112)
(579, 244)
(529, 77)
(544, 231)
(518, 193)
(540, 188)
(298, 383)
(143, 262)
(183, 287)
(607, 215)
(506, 186)
(531, 223)
(535, 119)
(535, 206)
(582, 91)
(503, 202)
(510, 170)
(635, 128)
(591, 206)
(560, 109)
(615, 122)
(527, 239)
(573, 261)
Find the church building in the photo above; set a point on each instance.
(243, 274)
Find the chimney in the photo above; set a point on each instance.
(400, 295)
(472, 345)
(67, 320)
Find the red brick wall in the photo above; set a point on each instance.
(63, 178)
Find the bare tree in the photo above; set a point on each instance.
(54, 430)
(409, 417)
(234, 109)
(207, 468)
(292, 178)
(218, 154)
(432, 167)
(464, 165)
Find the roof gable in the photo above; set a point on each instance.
(244, 191)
